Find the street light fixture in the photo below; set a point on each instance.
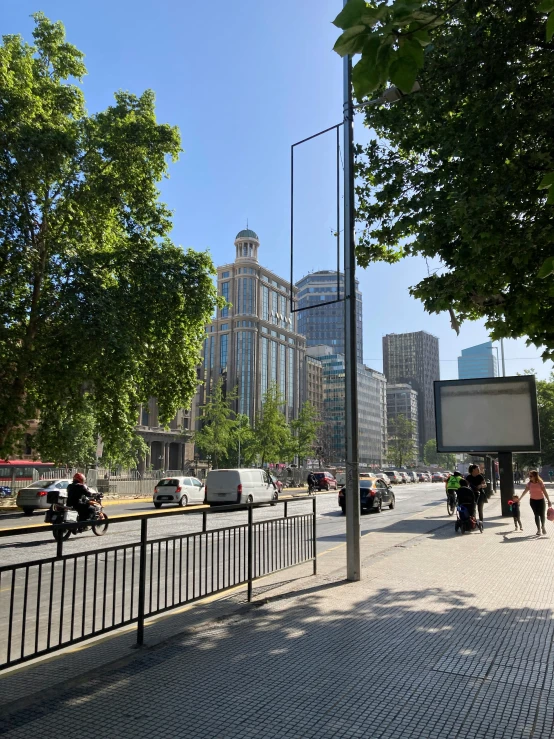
(353, 532)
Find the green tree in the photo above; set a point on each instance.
(67, 434)
(431, 456)
(401, 441)
(304, 432)
(545, 403)
(240, 432)
(453, 172)
(217, 425)
(94, 297)
(272, 441)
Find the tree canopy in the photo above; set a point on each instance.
(402, 448)
(431, 456)
(454, 171)
(95, 300)
(272, 437)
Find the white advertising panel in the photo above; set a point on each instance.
(496, 414)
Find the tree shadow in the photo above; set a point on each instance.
(329, 661)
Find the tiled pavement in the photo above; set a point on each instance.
(446, 636)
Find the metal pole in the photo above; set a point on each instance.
(250, 552)
(506, 469)
(142, 581)
(314, 533)
(353, 558)
(503, 360)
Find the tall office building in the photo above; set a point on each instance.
(325, 325)
(477, 361)
(413, 359)
(402, 401)
(372, 409)
(253, 343)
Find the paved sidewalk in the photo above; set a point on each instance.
(446, 636)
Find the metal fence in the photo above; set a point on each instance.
(48, 604)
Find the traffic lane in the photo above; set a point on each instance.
(331, 524)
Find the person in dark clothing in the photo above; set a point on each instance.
(78, 497)
(477, 483)
(311, 482)
(516, 513)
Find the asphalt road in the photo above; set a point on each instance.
(50, 603)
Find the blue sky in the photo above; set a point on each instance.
(243, 81)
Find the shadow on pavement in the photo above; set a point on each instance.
(303, 665)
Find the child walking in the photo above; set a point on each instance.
(516, 512)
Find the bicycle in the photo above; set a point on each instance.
(451, 502)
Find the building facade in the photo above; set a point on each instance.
(402, 401)
(325, 325)
(313, 383)
(478, 361)
(252, 343)
(372, 410)
(413, 359)
(168, 448)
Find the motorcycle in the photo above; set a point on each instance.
(59, 513)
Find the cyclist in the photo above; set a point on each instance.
(452, 485)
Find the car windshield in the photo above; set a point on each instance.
(42, 484)
(366, 483)
(170, 482)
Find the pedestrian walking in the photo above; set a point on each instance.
(477, 483)
(311, 483)
(537, 497)
(516, 513)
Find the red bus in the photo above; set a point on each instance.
(16, 473)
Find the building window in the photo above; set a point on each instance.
(224, 275)
(290, 379)
(224, 327)
(274, 307)
(264, 366)
(273, 362)
(265, 303)
(225, 292)
(145, 419)
(244, 370)
(223, 347)
(282, 371)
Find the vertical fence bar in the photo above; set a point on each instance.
(204, 520)
(84, 614)
(24, 617)
(10, 623)
(37, 624)
(142, 581)
(286, 508)
(314, 534)
(250, 553)
(59, 544)
(49, 605)
(94, 592)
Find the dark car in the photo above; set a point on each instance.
(374, 494)
(325, 481)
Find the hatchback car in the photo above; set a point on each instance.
(412, 476)
(422, 477)
(35, 495)
(325, 481)
(394, 476)
(383, 476)
(437, 477)
(374, 494)
(178, 491)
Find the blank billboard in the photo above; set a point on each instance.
(496, 414)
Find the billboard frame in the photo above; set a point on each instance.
(495, 449)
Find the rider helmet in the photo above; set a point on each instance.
(79, 477)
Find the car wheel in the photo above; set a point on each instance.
(184, 501)
(392, 503)
(157, 505)
(28, 511)
(250, 499)
(275, 498)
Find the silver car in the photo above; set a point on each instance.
(178, 491)
(35, 495)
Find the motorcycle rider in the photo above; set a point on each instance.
(78, 497)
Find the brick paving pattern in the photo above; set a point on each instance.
(446, 636)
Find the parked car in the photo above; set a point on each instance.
(383, 476)
(423, 477)
(394, 477)
(374, 494)
(404, 476)
(411, 475)
(178, 491)
(325, 481)
(437, 477)
(34, 495)
(225, 487)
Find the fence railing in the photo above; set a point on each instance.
(51, 603)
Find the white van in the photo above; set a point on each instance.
(228, 487)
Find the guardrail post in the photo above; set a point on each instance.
(286, 508)
(314, 533)
(250, 552)
(59, 545)
(204, 521)
(142, 581)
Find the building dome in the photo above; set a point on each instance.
(247, 233)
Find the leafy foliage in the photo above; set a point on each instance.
(431, 456)
(217, 425)
(454, 171)
(272, 437)
(391, 38)
(304, 431)
(95, 300)
(402, 448)
(545, 402)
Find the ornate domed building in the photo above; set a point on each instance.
(253, 342)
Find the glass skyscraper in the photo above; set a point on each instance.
(477, 361)
(325, 325)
